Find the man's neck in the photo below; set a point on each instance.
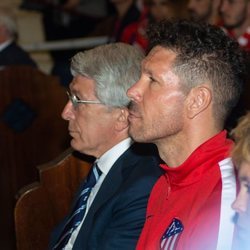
(174, 150)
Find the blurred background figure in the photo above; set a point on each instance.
(94, 8)
(236, 20)
(241, 157)
(204, 10)
(10, 52)
(127, 11)
(77, 19)
(161, 9)
(236, 23)
(154, 11)
(69, 19)
(122, 14)
(72, 18)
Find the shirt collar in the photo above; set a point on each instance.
(5, 44)
(202, 159)
(106, 161)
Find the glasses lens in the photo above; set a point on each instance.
(72, 98)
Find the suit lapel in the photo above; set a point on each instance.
(108, 188)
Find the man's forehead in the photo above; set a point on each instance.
(81, 81)
(159, 55)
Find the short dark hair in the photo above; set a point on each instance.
(204, 53)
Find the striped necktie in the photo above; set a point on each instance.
(80, 207)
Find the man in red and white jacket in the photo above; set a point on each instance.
(196, 208)
(190, 81)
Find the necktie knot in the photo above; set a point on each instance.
(93, 176)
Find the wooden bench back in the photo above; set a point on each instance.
(41, 205)
(32, 132)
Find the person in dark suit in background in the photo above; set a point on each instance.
(97, 113)
(10, 52)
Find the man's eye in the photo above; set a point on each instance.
(76, 97)
(151, 79)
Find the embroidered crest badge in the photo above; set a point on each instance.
(170, 237)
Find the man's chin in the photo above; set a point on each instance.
(232, 25)
(229, 26)
(136, 135)
(73, 144)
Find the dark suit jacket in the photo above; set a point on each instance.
(15, 55)
(117, 214)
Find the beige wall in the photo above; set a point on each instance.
(11, 3)
(31, 31)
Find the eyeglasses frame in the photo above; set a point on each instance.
(76, 102)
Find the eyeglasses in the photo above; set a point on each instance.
(75, 101)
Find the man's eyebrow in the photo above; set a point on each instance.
(145, 69)
(148, 71)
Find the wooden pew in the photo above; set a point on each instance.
(41, 205)
(31, 133)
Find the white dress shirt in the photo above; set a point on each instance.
(2, 47)
(5, 44)
(105, 162)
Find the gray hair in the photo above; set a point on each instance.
(7, 19)
(114, 67)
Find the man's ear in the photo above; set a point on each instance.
(122, 119)
(198, 100)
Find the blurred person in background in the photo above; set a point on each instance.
(154, 11)
(10, 52)
(124, 12)
(127, 12)
(161, 9)
(236, 20)
(93, 8)
(236, 23)
(69, 19)
(241, 157)
(204, 11)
